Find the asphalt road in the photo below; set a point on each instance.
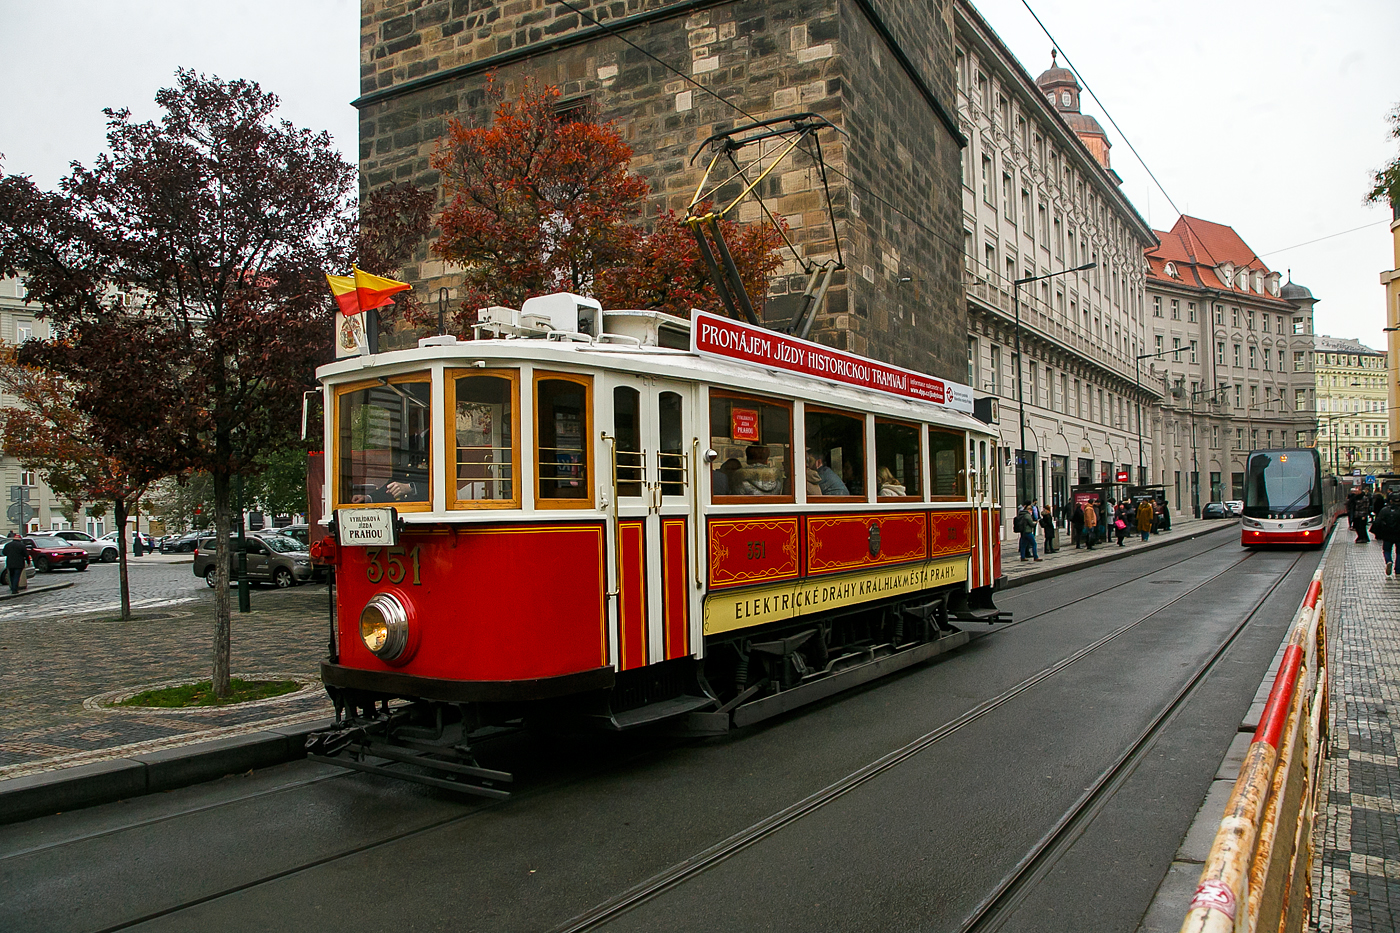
(915, 847)
(155, 581)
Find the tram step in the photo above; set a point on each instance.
(979, 615)
(655, 712)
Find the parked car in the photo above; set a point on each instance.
(272, 558)
(1215, 510)
(180, 544)
(105, 551)
(301, 533)
(147, 542)
(1236, 506)
(51, 553)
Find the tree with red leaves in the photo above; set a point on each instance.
(183, 278)
(540, 204)
(47, 433)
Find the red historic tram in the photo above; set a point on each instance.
(625, 517)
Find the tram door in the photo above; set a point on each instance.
(653, 476)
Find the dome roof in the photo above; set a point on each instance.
(1294, 292)
(1055, 75)
(1083, 124)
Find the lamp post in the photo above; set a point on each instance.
(1022, 481)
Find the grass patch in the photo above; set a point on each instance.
(202, 693)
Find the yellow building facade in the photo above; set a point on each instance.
(1354, 430)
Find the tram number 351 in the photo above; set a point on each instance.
(392, 567)
(757, 549)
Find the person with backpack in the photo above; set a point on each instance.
(1024, 525)
(1386, 527)
(1359, 508)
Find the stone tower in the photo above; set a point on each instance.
(671, 73)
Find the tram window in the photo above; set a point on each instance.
(947, 466)
(562, 450)
(484, 431)
(630, 467)
(835, 455)
(753, 438)
(670, 455)
(897, 461)
(383, 442)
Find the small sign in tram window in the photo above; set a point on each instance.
(744, 425)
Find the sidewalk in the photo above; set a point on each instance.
(1356, 870)
(1067, 557)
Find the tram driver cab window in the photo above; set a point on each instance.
(383, 441)
(482, 420)
(753, 440)
(835, 455)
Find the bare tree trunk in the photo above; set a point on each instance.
(119, 507)
(223, 560)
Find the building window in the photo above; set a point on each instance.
(1158, 340)
(1298, 326)
(1193, 352)
(1191, 311)
(1239, 436)
(1026, 211)
(1220, 353)
(1234, 317)
(1267, 354)
(987, 194)
(26, 478)
(1253, 362)
(1156, 305)
(1220, 315)
(1176, 347)
(1041, 225)
(972, 363)
(1238, 389)
(24, 330)
(996, 370)
(1176, 310)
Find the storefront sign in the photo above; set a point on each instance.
(1122, 476)
(743, 424)
(367, 527)
(711, 335)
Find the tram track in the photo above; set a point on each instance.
(990, 914)
(682, 871)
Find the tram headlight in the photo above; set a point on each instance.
(1313, 522)
(1251, 523)
(384, 626)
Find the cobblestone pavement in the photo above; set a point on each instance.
(51, 662)
(1356, 874)
(155, 580)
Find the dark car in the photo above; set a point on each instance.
(272, 558)
(1216, 510)
(180, 544)
(50, 553)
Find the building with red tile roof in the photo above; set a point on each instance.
(1232, 356)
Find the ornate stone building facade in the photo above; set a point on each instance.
(1390, 281)
(1232, 361)
(671, 72)
(1352, 406)
(1040, 199)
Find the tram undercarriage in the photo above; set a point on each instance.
(747, 677)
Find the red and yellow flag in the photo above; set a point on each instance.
(343, 288)
(373, 291)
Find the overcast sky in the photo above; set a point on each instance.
(1265, 115)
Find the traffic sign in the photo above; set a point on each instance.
(1371, 479)
(1356, 472)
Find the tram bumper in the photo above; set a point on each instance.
(395, 684)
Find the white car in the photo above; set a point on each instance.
(1235, 506)
(103, 549)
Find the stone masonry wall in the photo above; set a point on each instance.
(894, 179)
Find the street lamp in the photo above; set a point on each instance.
(1022, 480)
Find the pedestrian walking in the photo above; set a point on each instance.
(1091, 525)
(136, 544)
(1359, 508)
(1024, 525)
(1076, 524)
(1047, 522)
(1145, 517)
(16, 556)
(1386, 527)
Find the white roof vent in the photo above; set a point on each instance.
(564, 313)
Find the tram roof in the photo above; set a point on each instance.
(682, 365)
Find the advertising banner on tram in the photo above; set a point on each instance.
(712, 335)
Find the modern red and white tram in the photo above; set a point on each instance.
(628, 517)
(1287, 498)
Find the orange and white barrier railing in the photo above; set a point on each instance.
(1257, 874)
